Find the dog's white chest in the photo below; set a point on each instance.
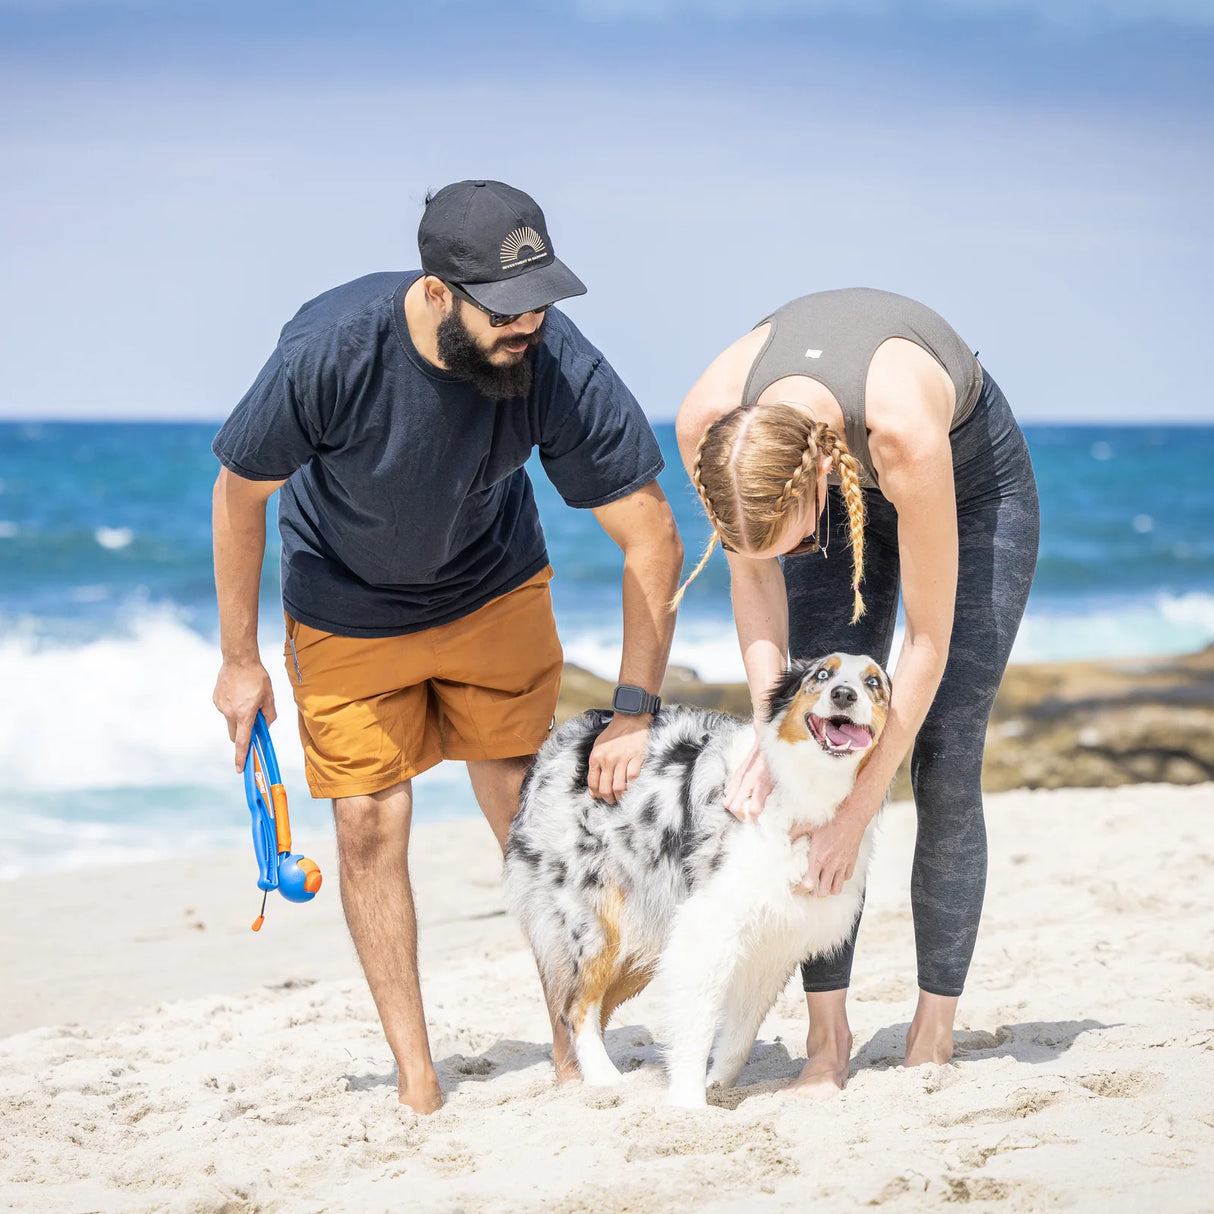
(763, 863)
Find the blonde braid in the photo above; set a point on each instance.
(785, 438)
(698, 481)
(792, 487)
(849, 482)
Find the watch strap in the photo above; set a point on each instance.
(634, 701)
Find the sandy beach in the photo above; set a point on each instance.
(157, 1055)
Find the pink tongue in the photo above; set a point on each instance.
(855, 737)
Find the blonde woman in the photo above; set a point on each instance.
(848, 450)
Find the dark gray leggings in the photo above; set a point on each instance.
(998, 525)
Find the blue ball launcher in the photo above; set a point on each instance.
(295, 877)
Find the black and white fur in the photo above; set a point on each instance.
(668, 885)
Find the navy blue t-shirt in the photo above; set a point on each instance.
(406, 504)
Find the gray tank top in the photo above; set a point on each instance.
(831, 336)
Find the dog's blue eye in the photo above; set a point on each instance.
(822, 674)
(873, 681)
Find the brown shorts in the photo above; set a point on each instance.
(374, 711)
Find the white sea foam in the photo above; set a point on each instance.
(119, 711)
(131, 711)
(34, 842)
(709, 647)
(113, 538)
(1163, 624)
(113, 752)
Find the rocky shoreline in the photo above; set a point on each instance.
(1055, 724)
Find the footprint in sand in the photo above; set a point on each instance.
(1122, 1084)
(473, 1066)
(978, 1041)
(974, 1188)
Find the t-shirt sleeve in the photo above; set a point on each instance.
(275, 428)
(597, 445)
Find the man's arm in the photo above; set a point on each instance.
(238, 523)
(643, 527)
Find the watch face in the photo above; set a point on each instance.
(627, 699)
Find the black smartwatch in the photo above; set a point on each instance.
(633, 701)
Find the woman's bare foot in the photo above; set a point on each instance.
(826, 1069)
(930, 1036)
(827, 1047)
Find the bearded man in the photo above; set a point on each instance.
(395, 416)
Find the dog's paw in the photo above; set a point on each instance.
(600, 1075)
(684, 1098)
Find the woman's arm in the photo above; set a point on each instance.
(757, 591)
(918, 481)
(760, 615)
(916, 471)
(760, 601)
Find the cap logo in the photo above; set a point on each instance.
(521, 247)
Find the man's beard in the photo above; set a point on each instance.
(461, 356)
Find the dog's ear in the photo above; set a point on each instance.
(785, 691)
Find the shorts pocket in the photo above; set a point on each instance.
(290, 653)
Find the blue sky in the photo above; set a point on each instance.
(176, 178)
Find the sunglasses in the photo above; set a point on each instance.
(811, 543)
(497, 320)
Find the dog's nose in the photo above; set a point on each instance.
(843, 696)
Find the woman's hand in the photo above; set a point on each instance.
(747, 789)
(833, 850)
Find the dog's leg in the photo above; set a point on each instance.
(598, 974)
(694, 975)
(634, 979)
(564, 1055)
(753, 989)
(593, 1059)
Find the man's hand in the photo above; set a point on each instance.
(749, 787)
(617, 756)
(833, 850)
(642, 526)
(241, 689)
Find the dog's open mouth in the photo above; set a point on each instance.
(838, 735)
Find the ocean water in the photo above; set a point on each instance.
(112, 750)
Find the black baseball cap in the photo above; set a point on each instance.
(491, 240)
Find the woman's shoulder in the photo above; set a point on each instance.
(908, 392)
(719, 389)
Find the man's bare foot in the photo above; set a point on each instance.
(930, 1036)
(422, 1094)
(827, 1067)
